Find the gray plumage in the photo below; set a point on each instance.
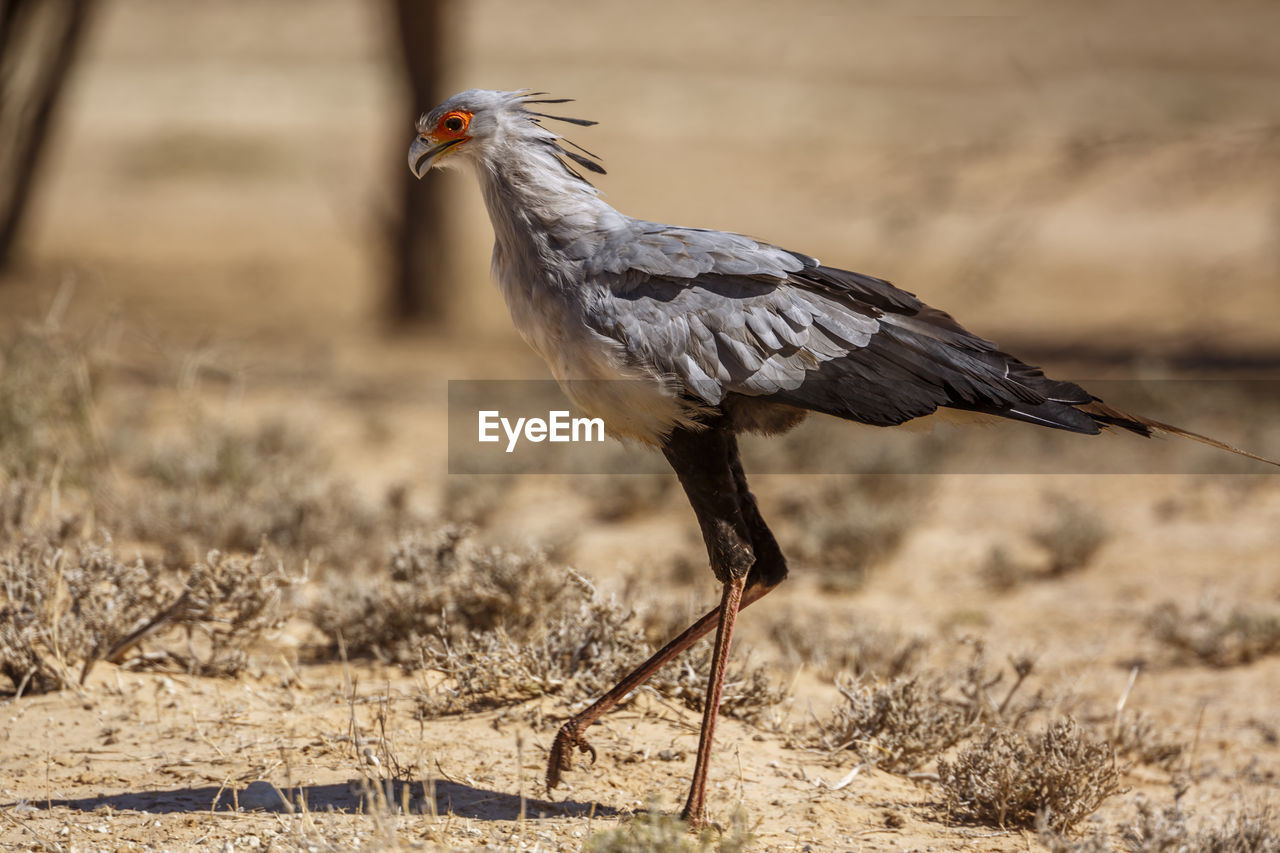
(700, 318)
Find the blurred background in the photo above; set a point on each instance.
(1102, 185)
(223, 185)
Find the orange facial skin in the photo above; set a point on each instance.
(452, 126)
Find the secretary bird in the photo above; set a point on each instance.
(684, 337)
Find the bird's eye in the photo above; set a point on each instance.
(454, 123)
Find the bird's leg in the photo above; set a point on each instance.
(570, 736)
(701, 460)
(695, 806)
(704, 463)
(768, 569)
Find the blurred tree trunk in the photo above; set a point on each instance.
(419, 250)
(39, 40)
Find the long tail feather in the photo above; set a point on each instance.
(1108, 416)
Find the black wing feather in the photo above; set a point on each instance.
(922, 359)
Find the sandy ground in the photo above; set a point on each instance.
(218, 187)
(138, 761)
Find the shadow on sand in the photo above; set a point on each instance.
(352, 797)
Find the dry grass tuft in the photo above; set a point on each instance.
(442, 585)
(844, 527)
(906, 722)
(503, 626)
(69, 603)
(896, 726)
(655, 832)
(241, 489)
(1253, 830)
(1136, 737)
(47, 381)
(1214, 634)
(1067, 541)
(1071, 537)
(581, 651)
(1168, 830)
(1052, 779)
(849, 646)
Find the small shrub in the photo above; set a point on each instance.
(655, 832)
(978, 687)
(1009, 779)
(844, 527)
(749, 692)
(214, 486)
(910, 720)
(69, 604)
(1069, 540)
(581, 649)
(504, 626)
(440, 585)
(1253, 830)
(47, 382)
(66, 606)
(1137, 738)
(584, 649)
(1000, 571)
(1167, 830)
(1216, 635)
(896, 726)
(1072, 537)
(232, 602)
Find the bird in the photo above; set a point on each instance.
(685, 338)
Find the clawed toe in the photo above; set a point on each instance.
(567, 739)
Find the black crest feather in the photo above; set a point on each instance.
(578, 121)
(585, 162)
(578, 154)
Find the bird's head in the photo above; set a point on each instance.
(478, 123)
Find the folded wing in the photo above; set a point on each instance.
(725, 314)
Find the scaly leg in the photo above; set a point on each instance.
(745, 558)
(570, 736)
(695, 807)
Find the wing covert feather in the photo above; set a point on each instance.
(723, 314)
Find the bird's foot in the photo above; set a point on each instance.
(562, 748)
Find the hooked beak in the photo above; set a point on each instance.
(423, 155)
